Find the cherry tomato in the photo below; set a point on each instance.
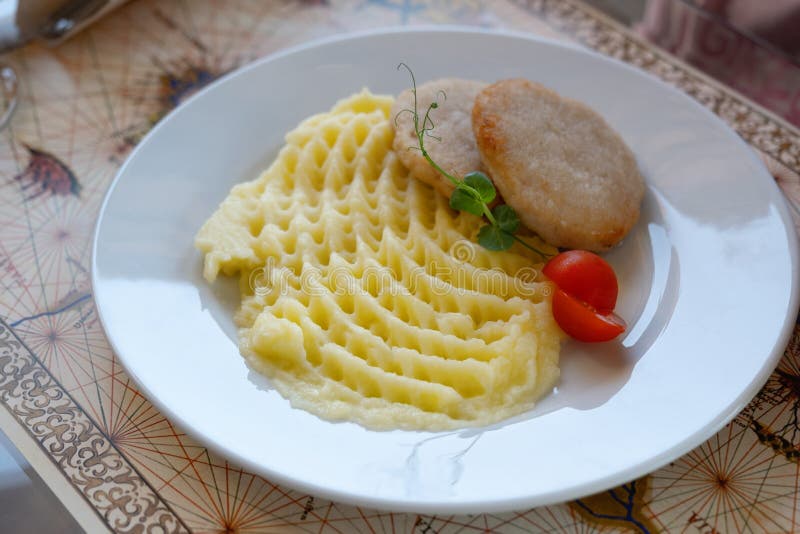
(583, 322)
(583, 304)
(585, 276)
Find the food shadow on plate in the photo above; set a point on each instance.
(592, 373)
(222, 299)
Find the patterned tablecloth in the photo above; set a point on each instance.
(85, 104)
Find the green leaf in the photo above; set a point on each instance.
(481, 183)
(494, 238)
(506, 218)
(462, 200)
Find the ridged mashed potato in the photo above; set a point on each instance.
(365, 297)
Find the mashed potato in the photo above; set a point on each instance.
(364, 297)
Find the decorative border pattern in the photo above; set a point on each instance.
(110, 484)
(594, 30)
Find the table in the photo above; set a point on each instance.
(114, 460)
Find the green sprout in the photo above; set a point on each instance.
(474, 192)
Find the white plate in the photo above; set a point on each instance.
(708, 284)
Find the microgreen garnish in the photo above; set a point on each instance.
(474, 192)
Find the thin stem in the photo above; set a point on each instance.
(421, 132)
(529, 247)
(455, 181)
(488, 213)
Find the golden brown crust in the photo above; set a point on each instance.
(569, 176)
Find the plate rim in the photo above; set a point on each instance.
(499, 505)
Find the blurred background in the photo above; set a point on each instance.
(750, 45)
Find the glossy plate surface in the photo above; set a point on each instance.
(708, 286)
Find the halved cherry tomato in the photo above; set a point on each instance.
(582, 322)
(583, 304)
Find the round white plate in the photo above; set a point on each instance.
(708, 285)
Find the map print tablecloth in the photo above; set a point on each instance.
(85, 105)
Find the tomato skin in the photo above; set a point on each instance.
(582, 322)
(585, 276)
